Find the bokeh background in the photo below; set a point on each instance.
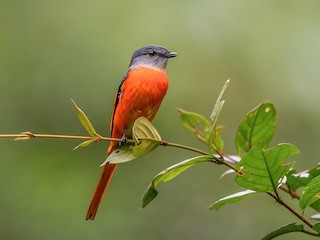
(51, 51)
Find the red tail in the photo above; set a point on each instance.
(101, 188)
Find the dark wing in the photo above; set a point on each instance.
(117, 98)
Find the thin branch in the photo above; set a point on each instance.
(219, 160)
(28, 135)
(292, 194)
(291, 209)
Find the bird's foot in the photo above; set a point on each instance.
(124, 139)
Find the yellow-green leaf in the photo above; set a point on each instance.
(196, 123)
(84, 120)
(146, 136)
(85, 143)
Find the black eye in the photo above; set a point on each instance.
(151, 54)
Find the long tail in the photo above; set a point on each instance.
(101, 188)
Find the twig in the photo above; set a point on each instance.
(220, 160)
(291, 209)
(28, 135)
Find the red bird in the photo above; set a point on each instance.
(140, 94)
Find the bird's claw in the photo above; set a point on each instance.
(124, 139)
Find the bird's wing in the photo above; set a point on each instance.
(118, 97)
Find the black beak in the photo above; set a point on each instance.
(172, 54)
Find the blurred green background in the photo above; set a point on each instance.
(51, 51)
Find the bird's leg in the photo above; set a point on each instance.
(124, 138)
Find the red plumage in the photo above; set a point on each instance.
(140, 94)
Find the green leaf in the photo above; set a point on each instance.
(311, 193)
(316, 227)
(121, 154)
(316, 205)
(301, 179)
(85, 143)
(206, 131)
(149, 194)
(84, 120)
(170, 173)
(261, 170)
(231, 199)
(142, 128)
(292, 227)
(257, 126)
(196, 124)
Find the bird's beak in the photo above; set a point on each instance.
(172, 54)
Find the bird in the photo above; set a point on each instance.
(140, 94)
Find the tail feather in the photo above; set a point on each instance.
(101, 188)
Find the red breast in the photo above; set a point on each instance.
(141, 95)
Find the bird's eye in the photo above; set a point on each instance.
(151, 54)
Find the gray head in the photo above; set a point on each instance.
(152, 56)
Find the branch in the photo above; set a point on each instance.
(219, 160)
(28, 135)
(291, 209)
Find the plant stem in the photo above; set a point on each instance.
(219, 160)
(28, 135)
(291, 209)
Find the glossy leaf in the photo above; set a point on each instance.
(289, 228)
(168, 174)
(142, 128)
(301, 179)
(84, 120)
(231, 199)
(196, 124)
(257, 126)
(120, 155)
(311, 193)
(262, 169)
